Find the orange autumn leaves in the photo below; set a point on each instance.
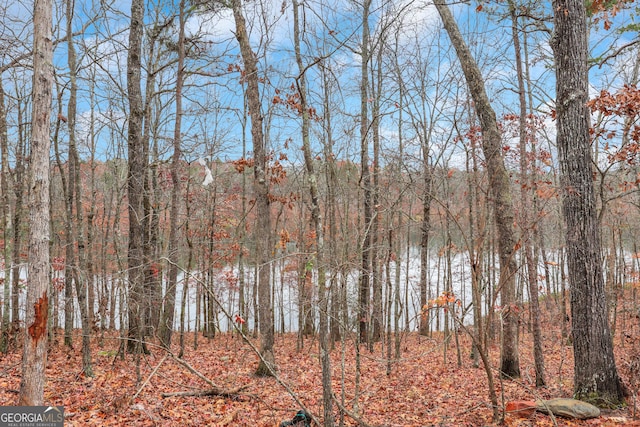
(445, 300)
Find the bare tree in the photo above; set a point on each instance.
(34, 356)
(364, 284)
(527, 202)
(316, 223)
(500, 185)
(74, 197)
(166, 323)
(137, 162)
(595, 374)
(261, 190)
(5, 181)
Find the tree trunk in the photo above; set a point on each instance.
(18, 214)
(261, 190)
(150, 224)
(527, 236)
(135, 181)
(34, 356)
(331, 179)
(6, 224)
(475, 251)
(425, 229)
(166, 324)
(501, 192)
(365, 182)
(316, 223)
(151, 297)
(67, 183)
(187, 278)
(377, 321)
(82, 281)
(242, 283)
(595, 374)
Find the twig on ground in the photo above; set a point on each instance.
(353, 416)
(216, 391)
(149, 377)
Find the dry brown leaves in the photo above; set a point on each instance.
(423, 389)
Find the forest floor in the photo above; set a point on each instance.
(423, 388)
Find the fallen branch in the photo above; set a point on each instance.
(195, 371)
(149, 377)
(246, 339)
(351, 414)
(215, 391)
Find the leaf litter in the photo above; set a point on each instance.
(422, 390)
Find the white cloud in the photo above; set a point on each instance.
(212, 26)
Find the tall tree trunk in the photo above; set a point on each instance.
(377, 322)
(150, 222)
(208, 306)
(261, 190)
(475, 251)
(166, 324)
(18, 214)
(316, 223)
(77, 235)
(66, 182)
(135, 181)
(365, 181)
(527, 236)
(242, 226)
(425, 229)
(187, 278)
(595, 374)
(501, 192)
(34, 356)
(6, 224)
(331, 179)
(90, 258)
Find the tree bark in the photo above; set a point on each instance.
(137, 163)
(6, 224)
(595, 374)
(18, 217)
(425, 230)
(166, 323)
(316, 223)
(500, 186)
(261, 190)
(365, 183)
(527, 235)
(82, 281)
(34, 356)
(377, 321)
(331, 180)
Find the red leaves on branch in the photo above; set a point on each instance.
(285, 238)
(291, 101)
(444, 299)
(605, 10)
(622, 105)
(243, 163)
(277, 173)
(58, 263)
(154, 268)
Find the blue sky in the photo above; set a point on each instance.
(213, 96)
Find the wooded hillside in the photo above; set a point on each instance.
(360, 185)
